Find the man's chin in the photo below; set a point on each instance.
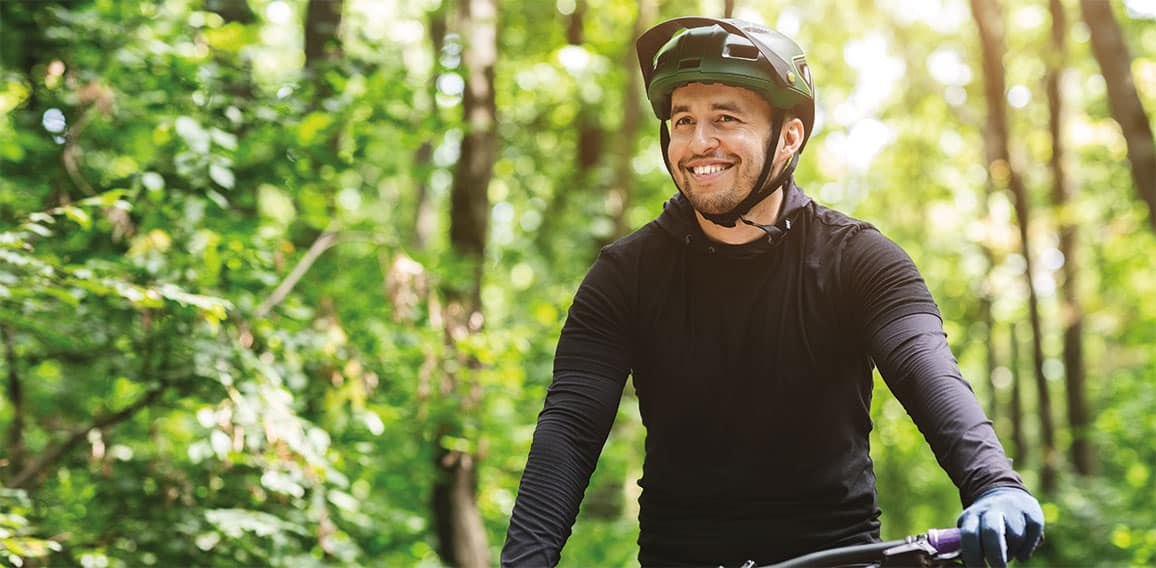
(710, 207)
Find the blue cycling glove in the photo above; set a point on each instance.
(1002, 524)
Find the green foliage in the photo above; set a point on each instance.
(16, 544)
(223, 277)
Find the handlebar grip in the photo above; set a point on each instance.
(944, 540)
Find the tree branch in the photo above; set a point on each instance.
(70, 160)
(78, 435)
(322, 244)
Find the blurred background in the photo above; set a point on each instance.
(281, 280)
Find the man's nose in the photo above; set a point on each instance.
(704, 138)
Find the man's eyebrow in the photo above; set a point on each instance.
(724, 105)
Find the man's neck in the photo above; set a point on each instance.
(765, 212)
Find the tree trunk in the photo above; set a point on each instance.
(1079, 418)
(588, 150)
(589, 130)
(1123, 101)
(469, 202)
(16, 400)
(461, 533)
(240, 84)
(322, 22)
(237, 11)
(1019, 441)
(425, 213)
(323, 47)
(1003, 173)
(729, 9)
(621, 190)
(990, 358)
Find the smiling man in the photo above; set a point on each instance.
(718, 145)
(751, 318)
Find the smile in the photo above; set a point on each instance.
(709, 169)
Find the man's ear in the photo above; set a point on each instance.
(792, 136)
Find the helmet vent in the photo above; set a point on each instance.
(739, 51)
(689, 63)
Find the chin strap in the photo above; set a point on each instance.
(774, 233)
(761, 190)
(730, 218)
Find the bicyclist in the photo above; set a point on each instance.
(750, 318)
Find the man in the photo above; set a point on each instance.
(750, 318)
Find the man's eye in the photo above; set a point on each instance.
(683, 121)
(727, 118)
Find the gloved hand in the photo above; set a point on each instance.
(1003, 523)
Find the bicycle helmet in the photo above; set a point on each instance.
(736, 53)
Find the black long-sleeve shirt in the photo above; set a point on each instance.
(753, 368)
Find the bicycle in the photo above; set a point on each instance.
(934, 549)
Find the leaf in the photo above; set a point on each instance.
(235, 522)
(16, 259)
(209, 305)
(457, 443)
(78, 216)
(38, 229)
(221, 444)
(152, 181)
(193, 134)
(233, 36)
(275, 204)
(226, 140)
(222, 175)
(218, 199)
(312, 126)
(12, 239)
(108, 198)
(279, 482)
(206, 541)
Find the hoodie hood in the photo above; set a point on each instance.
(678, 221)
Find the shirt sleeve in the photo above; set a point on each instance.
(590, 368)
(904, 333)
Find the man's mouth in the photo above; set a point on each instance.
(709, 170)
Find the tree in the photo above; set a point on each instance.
(322, 23)
(1003, 172)
(1019, 439)
(424, 210)
(461, 532)
(1116, 64)
(1079, 419)
(245, 206)
(621, 188)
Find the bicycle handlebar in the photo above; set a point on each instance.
(945, 541)
(936, 544)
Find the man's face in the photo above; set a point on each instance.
(718, 141)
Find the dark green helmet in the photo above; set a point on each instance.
(731, 52)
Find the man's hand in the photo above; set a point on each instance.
(1003, 523)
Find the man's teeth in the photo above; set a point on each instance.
(707, 170)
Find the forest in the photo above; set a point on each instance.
(281, 280)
